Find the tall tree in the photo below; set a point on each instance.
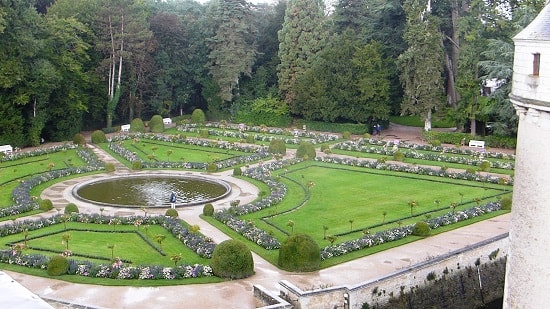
(301, 39)
(233, 47)
(421, 65)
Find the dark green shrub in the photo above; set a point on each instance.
(71, 208)
(367, 135)
(485, 166)
(109, 167)
(137, 126)
(136, 165)
(299, 252)
(203, 133)
(98, 137)
(306, 151)
(156, 125)
(435, 143)
(506, 203)
(45, 205)
(237, 171)
(277, 146)
(326, 149)
(398, 156)
(208, 210)
(79, 139)
(57, 266)
(232, 259)
(198, 116)
(346, 135)
(421, 229)
(250, 139)
(171, 212)
(211, 167)
(470, 170)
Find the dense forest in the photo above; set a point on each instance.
(73, 65)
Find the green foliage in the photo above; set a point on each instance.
(346, 135)
(237, 171)
(269, 111)
(353, 128)
(71, 208)
(506, 203)
(398, 156)
(45, 205)
(485, 166)
(208, 210)
(137, 165)
(212, 167)
(470, 170)
(435, 143)
(299, 252)
(203, 133)
(306, 150)
(233, 260)
(109, 167)
(431, 276)
(198, 117)
(79, 139)
(325, 148)
(421, 229)
(250, 139)
(98, 137)
(137, 126)
(57, 265)
(171, 212)
(277, 146)
(156, 124)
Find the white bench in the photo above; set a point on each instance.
(6, 149)
(476, 144)
(125, 128)
(167, 120)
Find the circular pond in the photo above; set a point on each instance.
(151, 190)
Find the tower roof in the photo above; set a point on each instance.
(538, 29)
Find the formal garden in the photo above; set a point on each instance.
(347, 195)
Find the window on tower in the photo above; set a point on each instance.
(536, 64)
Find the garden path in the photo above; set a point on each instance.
(238, 293)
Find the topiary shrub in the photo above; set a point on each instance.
(156, 124)
(485, 166)
(506, 203)
(198, 116)
(98, 137)
(171, 212)
(346, 135)
(277, 146)
(208, 210)
(435, 143)
(421, 229)
(45, 205)
(79, 139)
(109, 167)
(211, 167)
(57, 266)
(250, 139)
(367, 135)
(71, 208)
(237, 171)
(232, 259)
(136, 165)
(203, 133)
(326, 149)
(137, 126)
(398, 156)
(470, 170)
(299, 252)
(306, 151)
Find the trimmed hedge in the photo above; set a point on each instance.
(171, 212)
(79, 139)
(198, 116)
(156, 124)
(421, 229)
(306, 150)
(71, 208)
(233, 260)
(98, 137)
(208, 210)
(137, 126)
(277, 146)
(57, 266)
(299, 252)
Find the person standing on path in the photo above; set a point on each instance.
(173, 199)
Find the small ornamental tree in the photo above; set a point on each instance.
(233, 260)
(156, 124)
(306, 151)
(277, 146)
(98, 137)
(198, 116)
(137, 126)
(299, 252)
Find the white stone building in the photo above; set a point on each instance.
(528, 268)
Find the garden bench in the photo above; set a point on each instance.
(6, 149)
(125, 128)
(476, 144)
(167, 120)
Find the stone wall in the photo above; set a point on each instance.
(454, 276)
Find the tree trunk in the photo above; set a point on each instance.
(428, 121)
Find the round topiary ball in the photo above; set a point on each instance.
(208, 210)
(79, 139)
(137, 126)
(198, 116)
(156, 124)
(98, 137)
(306, 151)
(506, 203)
(71, 208)
(299, 252)
(421, 229)
(211, 168)
(171, 212)
(233, 260)
(237, 171)
(57, 266)
(277, 146)
(45, 205)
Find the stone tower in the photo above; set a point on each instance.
(528, 268)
